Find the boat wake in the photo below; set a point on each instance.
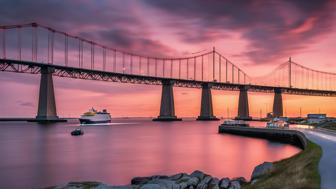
(108, 124)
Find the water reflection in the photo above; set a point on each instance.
(40, 155)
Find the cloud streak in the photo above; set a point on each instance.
(274, 29)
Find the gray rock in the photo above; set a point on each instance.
(193, 181)
(241, 180)
(204, 183)
(191, 187)
(165, 183)
(199, 174)
(177, 176)
(114, 187)
(159, 177)
(261, 169)
(183, 185)
(140, 180)
(224, 183)
(151, 186)
(214, 183)
(234, 185)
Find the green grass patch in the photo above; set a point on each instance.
(297, 172)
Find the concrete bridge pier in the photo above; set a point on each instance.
(243, 105)
(167, 109)
(47, 105)
(206, 113)
(277, 103)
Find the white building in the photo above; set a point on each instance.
(316, 118)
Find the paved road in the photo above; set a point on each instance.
(327, 166)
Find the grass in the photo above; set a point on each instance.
(297, 172)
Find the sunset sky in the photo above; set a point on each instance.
(257, 35)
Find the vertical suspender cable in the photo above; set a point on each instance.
(187, 68)
(171, 68)
(163, 68)
(226, 70)
(147, 66)
(232, 73)
(104, 58)
(194, 68)
(202, 67)
(66, 49)
(115, 60)
(4, 43)
(140, 65)
(220, 69)
(123, 62)
(155, 67)
(179, 68)
(19, 43)
(131, 64)
(213, 64)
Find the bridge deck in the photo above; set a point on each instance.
(17, 66)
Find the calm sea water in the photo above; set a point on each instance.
(35, 156)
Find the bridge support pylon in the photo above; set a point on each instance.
(206, 113)
(243, 105)
(167, 109)
(47, 106)
(277, 103)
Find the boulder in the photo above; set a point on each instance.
(193, 181)
(224, 183)
(177, 176)
(165, 183)
(91, 185)
(234, 185)
(241, 180)
(204, 183)
(151, 186)
(140, 180)
(261, 169)
(199, 174)
(214, 183)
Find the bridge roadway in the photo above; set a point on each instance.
(327, 165)
(47, 104)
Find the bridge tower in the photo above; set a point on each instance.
(277, 103)
(47, 105)
(243, 105)
(167, 109)
(206, 113)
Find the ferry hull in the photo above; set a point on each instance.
(88, 121)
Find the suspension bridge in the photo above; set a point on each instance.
(37, 49)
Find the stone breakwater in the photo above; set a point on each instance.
(293, 137)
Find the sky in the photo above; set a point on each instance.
(257, 35)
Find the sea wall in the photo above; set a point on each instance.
(280, 135)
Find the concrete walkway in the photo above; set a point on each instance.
(327, 166)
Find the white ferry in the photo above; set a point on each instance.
(239, 123)
(94, 116)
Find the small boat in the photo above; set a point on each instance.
(77, 132)
(232, 123)
(94, 116)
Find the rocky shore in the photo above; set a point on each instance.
(195, 180)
